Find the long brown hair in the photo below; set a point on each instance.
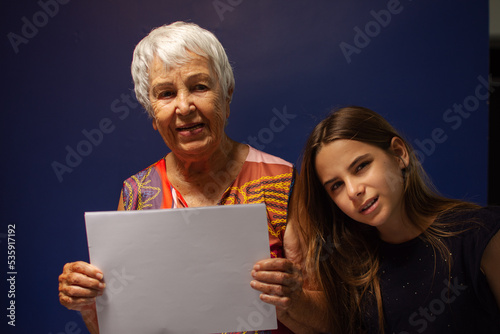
(342, 254)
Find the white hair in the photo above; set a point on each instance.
(172, 44)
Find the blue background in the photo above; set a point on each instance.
(74, 73)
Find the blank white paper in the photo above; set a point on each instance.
(180, 270)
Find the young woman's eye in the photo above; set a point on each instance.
(362, 165)
(335, 186)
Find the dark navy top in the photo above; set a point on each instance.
(419, 295)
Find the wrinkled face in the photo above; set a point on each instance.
(189, 108)
(364, 181)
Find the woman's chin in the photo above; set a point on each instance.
(195, 149)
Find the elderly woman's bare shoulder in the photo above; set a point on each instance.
(256, 155)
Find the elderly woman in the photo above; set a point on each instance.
(184, 81)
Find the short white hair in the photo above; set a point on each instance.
(172, 44)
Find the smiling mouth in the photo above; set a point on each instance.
(369, 204)
(190, 127)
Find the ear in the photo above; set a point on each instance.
(155, 126)
(399, 149)
(228, 101)
(230, 94)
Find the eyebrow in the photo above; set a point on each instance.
(351, 166)
(197, 76)
(201, 76)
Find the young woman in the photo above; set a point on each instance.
(390, 253)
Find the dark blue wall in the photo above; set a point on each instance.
(65, 73)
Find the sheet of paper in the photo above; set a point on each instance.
(180, 270)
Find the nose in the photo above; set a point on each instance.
(184, 104)
(354, 189)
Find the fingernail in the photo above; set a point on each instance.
(99, 276)
(253, 273)
(102, 285)
(252, 284)
(256, 267)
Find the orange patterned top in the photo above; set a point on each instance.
(263, 179)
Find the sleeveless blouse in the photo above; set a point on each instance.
(263, 179)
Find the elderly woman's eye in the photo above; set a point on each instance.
(201, 87)
(165, 94)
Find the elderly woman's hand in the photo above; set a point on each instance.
(280, 282)
(79, 284)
